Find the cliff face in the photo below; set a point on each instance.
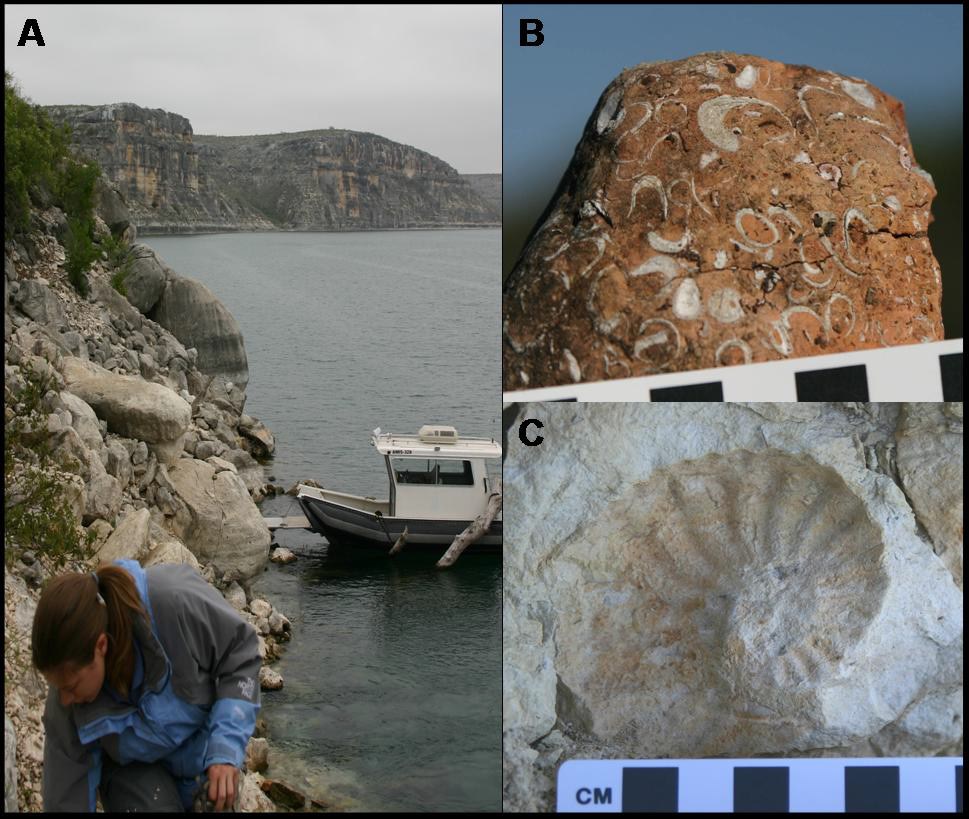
(179, 182)
(486, 185)
(148, 154)
(342, 180)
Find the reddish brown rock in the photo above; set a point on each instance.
(726, 209)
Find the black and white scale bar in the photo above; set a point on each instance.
(881, 784)
(912, 372)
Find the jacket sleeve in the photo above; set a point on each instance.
(72, 771)
(225, 647)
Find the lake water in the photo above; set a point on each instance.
(392, 696)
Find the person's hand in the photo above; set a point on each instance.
(222, 785)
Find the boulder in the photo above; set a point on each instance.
(235, 595)
(269, 680)
(260, 608)
(221, 464)
(117, 305)
(103, 492)
(168, 452)
(257, 754)
(119, 463)
(725, 209)
(84, 420)
(260, 438)
(192, 313)
(283, 795)
(100, 530)
(164, 547)
(110, 206)
(208, 449)
(145, 282)
(38, 301)
(279, 625)
(251, 797)
(128, 540)
(134, 407)
(282, 555)
(219, 522)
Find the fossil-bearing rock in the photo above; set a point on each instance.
(726, 209)
(698, 580)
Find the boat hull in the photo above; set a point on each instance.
(342, 525)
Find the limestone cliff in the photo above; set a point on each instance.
(148, 154)
(342, 180)
(487, 185)
(176, 181)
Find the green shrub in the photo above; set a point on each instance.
(32, 148)
(75, 189)
(117, 250)
(37, 514)
(79, 252)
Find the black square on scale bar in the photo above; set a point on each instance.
(958, 788)
(762, 790)
(834, 384)
(871, 789)
(650, 790)
(712, 391)
(951, 368)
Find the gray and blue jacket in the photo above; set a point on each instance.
(192, 704)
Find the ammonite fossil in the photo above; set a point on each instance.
(745, 603)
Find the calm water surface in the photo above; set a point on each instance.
(393, 676)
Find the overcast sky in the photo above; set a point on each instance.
(426, 76)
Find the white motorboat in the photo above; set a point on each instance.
(439, 484)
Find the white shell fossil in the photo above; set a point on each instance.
(710, 118)
(754, 576)
(686, 302)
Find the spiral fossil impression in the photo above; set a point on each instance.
(736, 585)
(726, 209)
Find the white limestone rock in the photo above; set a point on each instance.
(930, 464)
(131, 406)
(129, 540)
(720, 579)
(269, 680)
(217, 520)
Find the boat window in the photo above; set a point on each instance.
(432, 472)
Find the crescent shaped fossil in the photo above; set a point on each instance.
(710, 118)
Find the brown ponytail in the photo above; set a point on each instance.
(70, 618)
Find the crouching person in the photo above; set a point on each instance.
(154, 689)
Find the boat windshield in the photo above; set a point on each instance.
(432, 472)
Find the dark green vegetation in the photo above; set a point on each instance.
(32, 148)
(120, 259)
(39, 169)
(36, 507)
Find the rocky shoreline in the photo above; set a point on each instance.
(148, 446)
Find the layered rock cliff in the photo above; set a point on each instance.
(149, 156)
(342, 180)
(486, 185)
(176, 181)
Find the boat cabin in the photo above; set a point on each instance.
(437, 475)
